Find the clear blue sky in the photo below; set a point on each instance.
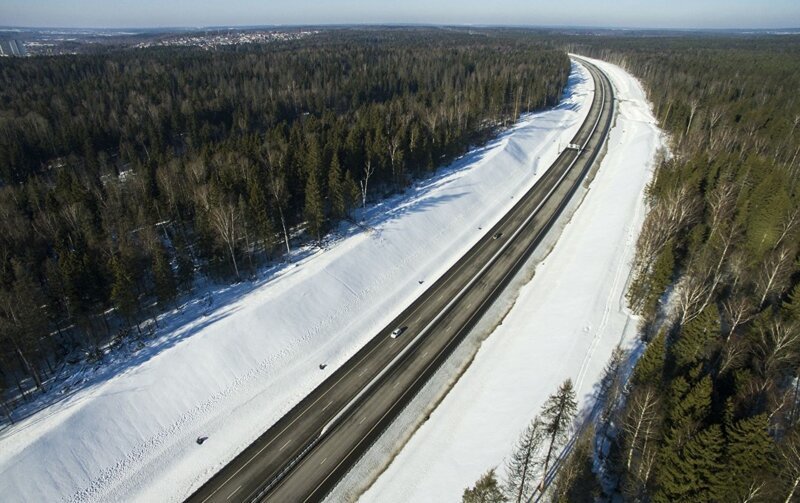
(600, 13)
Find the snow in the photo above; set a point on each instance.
(564, 324)
(228, 365)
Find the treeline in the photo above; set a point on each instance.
(125, 175)
(712, 410)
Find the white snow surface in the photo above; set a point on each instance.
(230, 369)
(565, 323)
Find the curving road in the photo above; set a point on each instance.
(304, 454)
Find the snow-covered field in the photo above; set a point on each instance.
(230, 370)
(565, 324)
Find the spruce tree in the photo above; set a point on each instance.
(485, 490)
(748, 453)
(659, 279)
(650, 367)
(692, 473)
(185, 269)
(688, 409)
(351, 192)
(123, 288)
(557, 415)
(314, 212)
(695, 338)
(163, 277)
(792, 305)
(336, 189)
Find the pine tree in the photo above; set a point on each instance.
(259, 205)
(123, 288)
(696, 337)
(688, 409)
(748, 457)
(185, 272)
(486, 490)
(351, 192)
(692, 473)
(650, 367)
(792, 305)
(659, 279)
(522, 468)
(557, 415)
(166, 287)
(336, 189)
(314, 212)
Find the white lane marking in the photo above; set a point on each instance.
(234, 492)
(321, 462)
(395, 384)
(284, 445)
(362, 419)
(426, 354)
(329, 404)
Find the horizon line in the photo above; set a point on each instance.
(400, 25)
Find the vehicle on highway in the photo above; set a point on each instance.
(497, 235)
(397, 331)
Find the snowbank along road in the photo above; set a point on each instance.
(303, 455)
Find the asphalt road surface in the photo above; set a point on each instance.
(304, 454)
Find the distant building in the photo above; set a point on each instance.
(12, 48)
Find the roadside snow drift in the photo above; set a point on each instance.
(228, 367)
(565, 324)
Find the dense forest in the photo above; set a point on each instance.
(711, 410)
(125, 175)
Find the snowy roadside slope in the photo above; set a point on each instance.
(564, 324)
(231, 374)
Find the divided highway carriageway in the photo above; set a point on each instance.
(303, 455)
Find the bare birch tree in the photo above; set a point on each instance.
(369, 170)
(773, 272)
(225, 220)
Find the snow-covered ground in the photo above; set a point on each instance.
(565, 324)
(230, 369)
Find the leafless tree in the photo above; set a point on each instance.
(225, 220)
(670, 213)
(714, 117)
(788, 225)
(639, 424)
(693, 104)
(691, 293)
(369, 169)
(790, 461)
(773, 272)
(733, 353)
(738, 310)
(777, 346)
(278, 189)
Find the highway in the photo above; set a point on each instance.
(304, 454)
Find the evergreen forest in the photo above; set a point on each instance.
(711, 410)
(127, 175)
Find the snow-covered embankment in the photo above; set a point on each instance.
(231, 373)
